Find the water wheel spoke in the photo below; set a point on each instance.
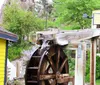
(42, 83)
(47, 82)
(47, 76)
(53, 82)
(47, 69)
(52, 64)
(51, 54)
(62, 66)
(58, 59)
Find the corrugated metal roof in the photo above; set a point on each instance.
(4, 34)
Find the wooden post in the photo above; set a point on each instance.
(93, 61)
(80, 64)
(17, 69)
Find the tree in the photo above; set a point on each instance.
(20, 21)
(71, 12)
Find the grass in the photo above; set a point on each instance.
(98, 82)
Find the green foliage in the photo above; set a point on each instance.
(71, 61)
(71, 11)
(87, 75)
(87, 78)
(20, 21)
(14, 52)
(98, 67)
(98, 82)
(71, 27)
(17, 82)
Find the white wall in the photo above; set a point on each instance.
(11, 70)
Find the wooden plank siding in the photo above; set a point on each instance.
(2, 60)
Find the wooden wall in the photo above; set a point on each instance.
(2, 60)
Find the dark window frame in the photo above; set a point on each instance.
(98, 26)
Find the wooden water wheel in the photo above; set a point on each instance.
(47, 68)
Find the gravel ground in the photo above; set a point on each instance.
(16, 82)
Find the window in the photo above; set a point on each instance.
(98, 26)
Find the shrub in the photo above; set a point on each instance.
(87, 77)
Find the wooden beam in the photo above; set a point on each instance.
(80, 64)
(79, 35)
(68, 36)
(93, 62)
(46, 77)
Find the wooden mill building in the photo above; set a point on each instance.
(5, 36)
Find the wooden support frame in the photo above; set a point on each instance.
(80, 64)
(81, 81)
(93, 61)
(72, 39)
